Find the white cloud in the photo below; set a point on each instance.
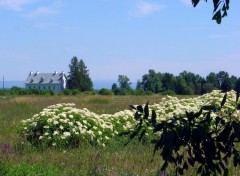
(41, 11)
(45, 10)
(16, 5)
(143, 8)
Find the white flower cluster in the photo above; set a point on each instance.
(171, 106)
(64, 124)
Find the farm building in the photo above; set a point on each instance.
(46, 81)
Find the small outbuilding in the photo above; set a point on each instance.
(56, 82)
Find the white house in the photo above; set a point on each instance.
(46, 81)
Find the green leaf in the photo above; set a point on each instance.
(124, 133)
(164, 166)
(132, 107)
(191, 161)
(200, 169)
(195, 2)
(218, 119)
(146, 111)
(225, 134)
(235, 161)
(140, 108)
(218, 17)
(224, 100)
(221, 147)
(227, 4)
(135, 132)
(180, 171)
(141, 135)
(226, 172)
(158, 127)
(224, 9)
(208, 108)
(237, 97)
(216, 4)
(185, 166)
(137, 116)
(154, 116)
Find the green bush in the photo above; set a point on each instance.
(67, 92)
(105, 92)
(75, 91)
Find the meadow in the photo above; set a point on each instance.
(115, 159)
(21, 158)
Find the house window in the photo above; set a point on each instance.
(48, 87)
(53, 87)
(39, 87)
(44, 87)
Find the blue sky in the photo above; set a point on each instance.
(114, 37)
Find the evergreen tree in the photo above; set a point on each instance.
(78, 77)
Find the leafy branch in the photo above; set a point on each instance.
(196, 140)
(220, 9)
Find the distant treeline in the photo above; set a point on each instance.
(186, 83)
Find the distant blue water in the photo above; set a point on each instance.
(97, 84)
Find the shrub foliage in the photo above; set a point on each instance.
(198, 139)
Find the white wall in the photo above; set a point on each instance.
(54, 88)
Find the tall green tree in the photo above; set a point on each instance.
(124, 82)
(168, 81)
(224, 81)
(78, 77)
(152, 81)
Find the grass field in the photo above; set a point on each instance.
(17, 158)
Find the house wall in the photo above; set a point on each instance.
(54, 88)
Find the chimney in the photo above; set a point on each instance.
(36, 73)
(30, 73)
(55, 73)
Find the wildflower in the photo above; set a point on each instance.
(55, 122)
(99, 132)
(55, 132)
(66, 134)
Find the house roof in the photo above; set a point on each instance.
(44, 78)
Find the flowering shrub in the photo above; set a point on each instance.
(63, 124)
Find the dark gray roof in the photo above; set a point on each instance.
(44, 78)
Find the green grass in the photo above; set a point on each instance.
(116, 159)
